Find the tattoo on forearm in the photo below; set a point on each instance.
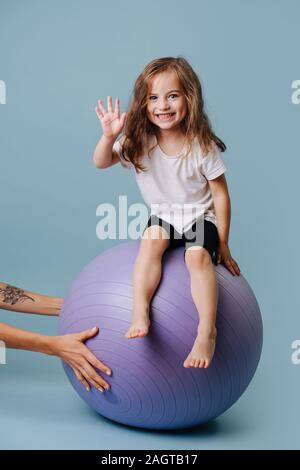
(11, 295)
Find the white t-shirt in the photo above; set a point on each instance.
(175, 188)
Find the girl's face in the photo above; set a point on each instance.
(166, 105)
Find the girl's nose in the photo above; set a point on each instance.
(164, 106)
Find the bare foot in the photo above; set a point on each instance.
(202, 351)
(140, 325)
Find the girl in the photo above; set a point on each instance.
(168, 140)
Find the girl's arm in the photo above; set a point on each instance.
(19, 300)
(221, 199)
(104, 156)
(69, 348)
(219, 190)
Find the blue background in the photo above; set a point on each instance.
(57, 59)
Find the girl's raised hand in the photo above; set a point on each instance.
(111, 122)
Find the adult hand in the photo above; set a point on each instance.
(111, 122)
(71, 349)
(224, 257)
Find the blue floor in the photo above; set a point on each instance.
(40, 410)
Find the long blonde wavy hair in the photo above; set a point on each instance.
(195, 123)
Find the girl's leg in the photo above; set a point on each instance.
(204, 289)
(19, 300)
(146, 277)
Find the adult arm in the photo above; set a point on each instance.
(20, 300)
(70, 348)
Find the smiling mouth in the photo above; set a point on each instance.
(165, 116)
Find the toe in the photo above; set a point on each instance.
(187, 362)
(131, 333)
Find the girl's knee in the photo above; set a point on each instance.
(197, 257)
(155, 232)
(155, 239)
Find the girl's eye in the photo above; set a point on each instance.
(173, 95)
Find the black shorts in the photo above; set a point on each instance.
(203, 233)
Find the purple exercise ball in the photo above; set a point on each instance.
(150, 388)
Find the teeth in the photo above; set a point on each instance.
(165, 115)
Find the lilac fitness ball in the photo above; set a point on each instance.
(150, 388)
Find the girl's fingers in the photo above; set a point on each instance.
(235, 266)
(237, 269)
(230, 267)
(109, 104)
(122, 120)
(117, 107)
(99, 114)
(101, 107)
